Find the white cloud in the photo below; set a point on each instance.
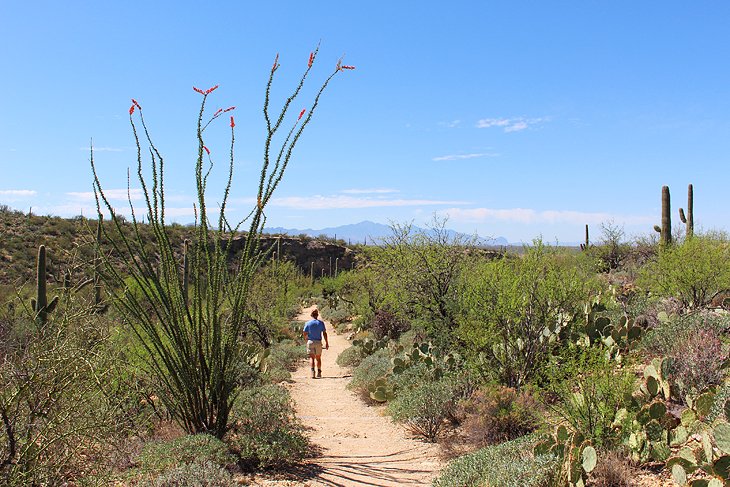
(349, 202)
(111, 194)
(459, 157)
(369, 191)
(515, 124)
(17, 193)
(528, 216)
(452, 124)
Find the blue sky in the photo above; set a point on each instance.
(515, 119)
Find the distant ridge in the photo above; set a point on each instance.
(360, 233)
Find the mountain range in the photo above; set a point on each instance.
(363, 232)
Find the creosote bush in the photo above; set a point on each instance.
(698, 362)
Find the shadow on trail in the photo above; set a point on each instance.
(365, 470)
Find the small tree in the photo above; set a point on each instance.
(513, 310)
(192, 338)
(691, 272)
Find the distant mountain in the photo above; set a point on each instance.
(361, 232)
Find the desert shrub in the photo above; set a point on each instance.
(196, 474)
(498, 414)
(515, 310)
(283, 358)
(336, 316)
(388, 325)
(350, 357)
(510, 464)
(664, 338)
(591, 391)
(265, 431)
(424, 409)
(692, 271)
(612, 470)
(371, 368)
(697, 363)
(162, 456)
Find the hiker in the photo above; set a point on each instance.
(313, 332)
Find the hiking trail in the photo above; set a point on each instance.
(357, 445)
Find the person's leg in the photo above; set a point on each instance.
(319, 366)
(311, 357)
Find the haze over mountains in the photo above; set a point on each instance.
(365, 231)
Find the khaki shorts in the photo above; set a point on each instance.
(314, 347)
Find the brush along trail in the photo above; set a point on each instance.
(355, 444)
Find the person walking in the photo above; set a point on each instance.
(313, 332)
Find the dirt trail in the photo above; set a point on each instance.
(358, 445)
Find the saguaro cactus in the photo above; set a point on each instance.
(665, 231)
(584, 246)
(41, 306)
(689, 219)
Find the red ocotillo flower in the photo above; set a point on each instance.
(276, 63)
(218, 112)
(233, 124)
(301, 114)
(206, 150)
(347, 67)
(134, 102)
(131, 109)
(210, 90)
(311, 59)
(199, 90)
(229, 109)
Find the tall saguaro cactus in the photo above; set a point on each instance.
(41, 306)
(689, 218)
(584, 246)
(665, 231)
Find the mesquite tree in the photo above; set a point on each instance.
(189, 318)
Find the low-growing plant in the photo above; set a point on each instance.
(497, 414)
(697, 363)
(388, 325)
(372, 368)
(196, 474)
(612, 470)
(265, 431)
(161, 456)
(424, 410)
(509, 464)
(282, 360)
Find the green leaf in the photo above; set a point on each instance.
(652, 385)
(657, 410)
(703, 404)
(561, 434)
(721, 467)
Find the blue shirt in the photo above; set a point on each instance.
(314, 329)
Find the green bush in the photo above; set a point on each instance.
(283, 358)
(372, 368)
(196, 474)
(350, 357)
(510, 464)
(162, 456)
(425, 409)
(692, 271)
(591, 391)
(265, 431)
(664, 338)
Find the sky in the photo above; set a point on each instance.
(515, 119)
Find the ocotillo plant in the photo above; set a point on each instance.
(40, 305)
(97, 262)
(665, 231)
(193, 344)
(689, 219)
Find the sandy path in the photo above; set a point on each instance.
(358, 445)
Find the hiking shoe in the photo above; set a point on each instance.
(313, 376)
(319, 373)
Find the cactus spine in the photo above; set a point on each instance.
(689, 219)
(41, 306)
(665, 231)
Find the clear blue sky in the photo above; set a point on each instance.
(516, 119)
